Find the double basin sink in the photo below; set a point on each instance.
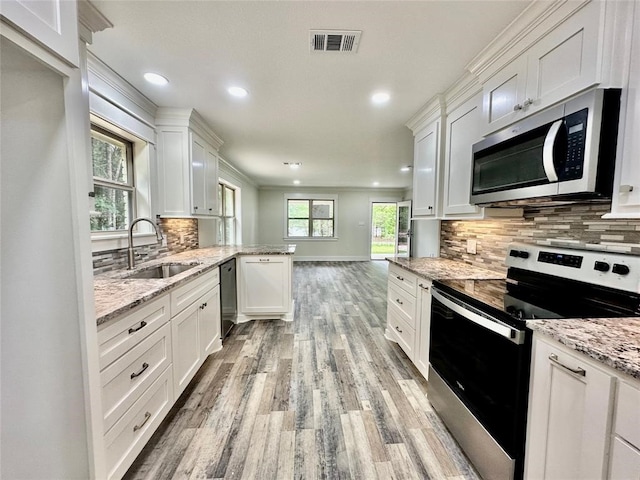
(164, 270)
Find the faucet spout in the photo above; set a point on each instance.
(130, 253)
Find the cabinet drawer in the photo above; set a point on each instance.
(405, 334)
(185, 295)
(628, 414)
(405, 302)
(121, 335)
(124, 380)
(404, 279)
(128, 436)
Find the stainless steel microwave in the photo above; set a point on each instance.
(566, 152)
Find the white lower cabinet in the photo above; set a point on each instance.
(264, 287)
(625, 448)
(147, 359)
(423, 327)
(570, 405)
(401, 309)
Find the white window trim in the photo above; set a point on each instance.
(238, 210)
(310, 196)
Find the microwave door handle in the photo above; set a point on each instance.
(547, 151)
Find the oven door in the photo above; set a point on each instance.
(485, 363)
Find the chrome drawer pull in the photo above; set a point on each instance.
(578, 371)
(400, 278)
(398, 329)
(134, 330)
(147, 416)
(398, 300)
(264, 259)
(145, 365)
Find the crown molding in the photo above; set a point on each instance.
(430, 112)
(91, 20)
(188, 118)
(237, 172)
(462, 90)
(107, 84)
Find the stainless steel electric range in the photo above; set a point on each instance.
(480, 350)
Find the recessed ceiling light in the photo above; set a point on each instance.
(380, 98)
(293, 165)
(296, 182)
(155, 78)
(405, 169)
(375, 184)
(237, 92)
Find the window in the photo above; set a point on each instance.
(310, 218)
(227, 212)
(113, 185)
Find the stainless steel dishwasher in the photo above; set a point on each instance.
(228, 297)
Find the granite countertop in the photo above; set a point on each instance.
(612, 341)
(435, 268)
(116, 294)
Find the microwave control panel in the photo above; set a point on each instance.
(576, 131)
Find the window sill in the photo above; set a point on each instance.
(101, 242)
(311, 239)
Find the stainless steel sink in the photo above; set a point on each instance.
(165, 270)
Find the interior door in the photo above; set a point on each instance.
(403, 229)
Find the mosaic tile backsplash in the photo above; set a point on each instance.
(180, 233)
(543, 225)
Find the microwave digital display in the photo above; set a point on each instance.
(576, 128)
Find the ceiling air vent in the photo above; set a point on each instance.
(335, 40)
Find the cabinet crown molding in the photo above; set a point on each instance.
(91, 20)
(427, 114)
(188, 118)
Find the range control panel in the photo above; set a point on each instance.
(615, 270)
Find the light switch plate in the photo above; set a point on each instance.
(472, 244)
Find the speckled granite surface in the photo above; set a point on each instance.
(434, 268)
(612, 341)
(115, 293)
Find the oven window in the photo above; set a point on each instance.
(488, 372)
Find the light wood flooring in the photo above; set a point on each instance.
(325, 396)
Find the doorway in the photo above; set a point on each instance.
(383, 229)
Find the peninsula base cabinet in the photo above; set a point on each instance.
(584, 417)
(147, 358)
(264, 288)
(423, 323)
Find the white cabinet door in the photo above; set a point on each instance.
(187, 355)
(211, 182)
(265, 284)
(625, 461)
(425, 171)
(423, 327)
(198, 175)
(462, 131)
(626, 193)
(503, 95)
(209, 322)
(53, 23)
(570, 404)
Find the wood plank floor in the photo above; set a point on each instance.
(325, 396)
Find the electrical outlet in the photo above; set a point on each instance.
(472, 244)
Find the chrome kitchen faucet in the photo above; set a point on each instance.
(131, 254)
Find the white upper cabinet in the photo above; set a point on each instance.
(626, 189)
(187, 164)
(51, 23)
(426, 156)
(565, 60)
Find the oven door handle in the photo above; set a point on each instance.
(490, 323)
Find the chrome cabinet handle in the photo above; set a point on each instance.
(528, 102)
(147, 416)
(426, 287)
(400, 278)
(145, 365)
(263, 259)
(398, 329)
(626, 188)
(398, 300)
(134, 330)
(517, 107)
(577, 371)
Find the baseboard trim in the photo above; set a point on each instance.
(297, 258)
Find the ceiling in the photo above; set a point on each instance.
(312, 108)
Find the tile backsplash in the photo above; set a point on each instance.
(563, 224)
(180, 233)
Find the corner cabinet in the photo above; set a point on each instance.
(187, 164)
(264, 287)
(52, 23)
(570, 405)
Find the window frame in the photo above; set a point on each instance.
(310, 198)
(222, 186)
(129, 186)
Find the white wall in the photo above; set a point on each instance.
(353, 217)
(43, 432)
